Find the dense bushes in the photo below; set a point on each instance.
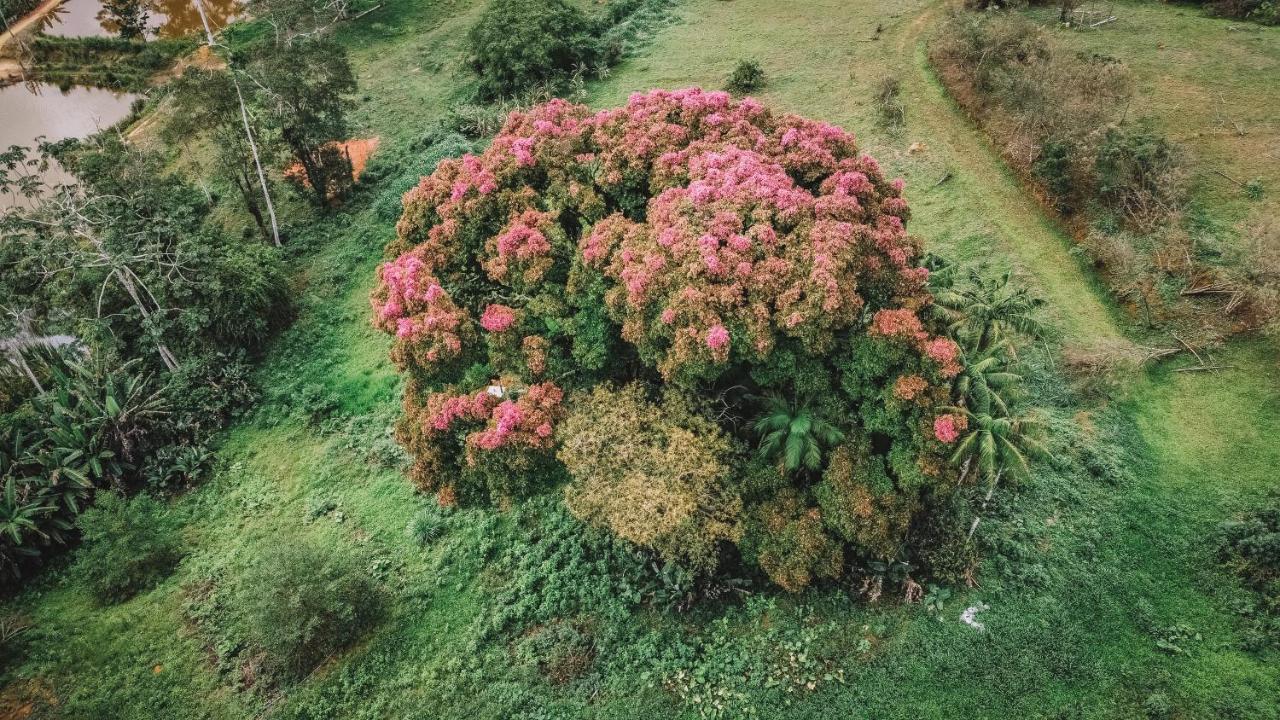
(519, 44)
(747, 76)
(1250, 547)
(123, 267)
(654, 475)
(522, 46)
(1263, 11)
(13, 10)
(104, 61)
(685, 246)
(298, 603)
(129, 546)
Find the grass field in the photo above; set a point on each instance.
(1092, 571)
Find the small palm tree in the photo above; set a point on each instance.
(986, 381)
(985, 312)
(793, 435)
(996, 444)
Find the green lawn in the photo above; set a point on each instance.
(1091, 569)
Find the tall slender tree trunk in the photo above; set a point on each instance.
(248, 131)
(245, 185)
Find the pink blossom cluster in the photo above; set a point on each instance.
(521, 254)
(527, 422)
(947, 428)
(497, 318)
(904, 324)
(909, 387)
(717, 228)
(444, 409)
(411, 303)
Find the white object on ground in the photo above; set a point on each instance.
(970, 616)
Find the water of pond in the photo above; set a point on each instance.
(166, 18)
(28, 112)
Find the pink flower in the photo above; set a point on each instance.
(497, 318)
(944, 428)
(717, 337)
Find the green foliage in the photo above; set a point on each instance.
(1250, 547)
(747, 76)
(13, 10)
(427, 525)
(409, 171)
(304, 89)
(793, 435)
(653, 475)
(557, 568)
(86, 431)
(299, 603)
(998, 445)
(1266, 12)
(520, 44)
(104, 61)
(128, 546)
(1054, 168)
(1139, 175)
(987, 311)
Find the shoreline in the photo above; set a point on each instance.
(11, 70)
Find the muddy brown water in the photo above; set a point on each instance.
(28, 112)
(167, 18)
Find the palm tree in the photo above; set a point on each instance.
(984, 312)
(986, 379)
(997, 444)
(793, 435)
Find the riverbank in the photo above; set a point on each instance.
(26, 26)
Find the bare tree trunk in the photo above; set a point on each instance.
(170, 361)
(248, 131)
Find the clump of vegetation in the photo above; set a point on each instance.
(1250, 548)
(559, 260)
(299, 603)
(1266, 12)
(1140, 176)
(122, 264)
(889, 105)
(109, 62)
(747, 76)
(129, 546)
(427, 525)
(13, 10)
(521, 44)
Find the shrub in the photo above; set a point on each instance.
(1250, 547)
(1140, 176)
(889, 104)
(520, 44)
(129, 546)
(427, 525)
(654, 475)
(747, 76)
(302, 602)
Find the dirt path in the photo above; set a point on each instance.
(32, 18)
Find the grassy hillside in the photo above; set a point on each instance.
(1210, 84)
(1097, 563)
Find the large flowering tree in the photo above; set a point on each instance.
(689, 241)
